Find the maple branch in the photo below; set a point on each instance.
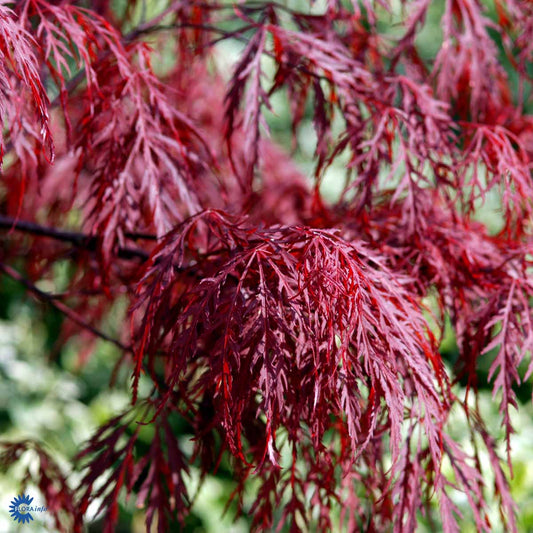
(81, 240)
(89, 242)
(224, 34)
(51, 299)
(60, 306)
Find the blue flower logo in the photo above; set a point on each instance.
(19, 508)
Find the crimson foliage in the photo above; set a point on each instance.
(296, 337)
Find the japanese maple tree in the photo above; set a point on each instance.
(296, 335)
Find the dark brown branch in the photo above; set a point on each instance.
(81, 240)
(224, 35)
(60, 306)
(51, 299)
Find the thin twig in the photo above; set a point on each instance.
(77, 319)
(61, 307)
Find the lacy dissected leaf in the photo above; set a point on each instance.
(513, 340)
(73, 41)
(495, 158)
(48, 476)
(390, 122)
(467, 68)
(22, 94)
(143, 155)
(291, 323)
(115, 465)
(248, 71)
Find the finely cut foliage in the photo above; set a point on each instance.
(295, 337)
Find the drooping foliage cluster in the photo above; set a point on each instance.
(297, 336)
